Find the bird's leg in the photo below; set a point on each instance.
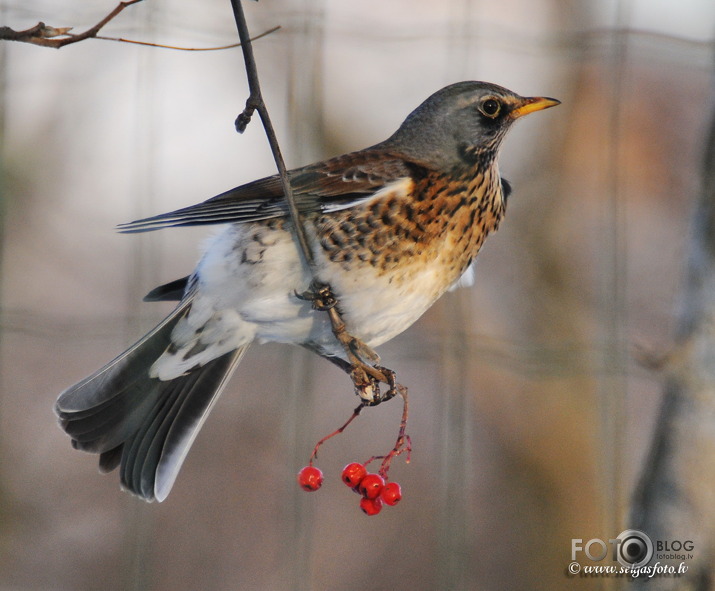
(362, 366)
(322, 299)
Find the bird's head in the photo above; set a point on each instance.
(462, 123)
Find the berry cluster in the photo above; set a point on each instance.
(373, 489)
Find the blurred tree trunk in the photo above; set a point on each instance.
(675, 499)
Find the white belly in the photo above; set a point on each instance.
(248, 279)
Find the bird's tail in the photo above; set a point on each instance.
(139, 423)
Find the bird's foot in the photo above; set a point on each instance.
(320, 296)
(367, 380)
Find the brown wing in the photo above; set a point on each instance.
(338, 183)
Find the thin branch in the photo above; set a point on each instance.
(56, 37)
(162, 46)
(255, 102)
(46, 36)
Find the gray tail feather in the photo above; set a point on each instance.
(140, 424)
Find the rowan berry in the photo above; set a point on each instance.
(391, 494)
(353, 474)
(310, 478)
(371, 506)
(371, 486)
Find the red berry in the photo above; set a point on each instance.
(353, 474)
(391, 494)
(371, 506)
(371, 486)
(310, 478)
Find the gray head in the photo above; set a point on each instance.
(462, 123)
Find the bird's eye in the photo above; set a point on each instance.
(490, 107)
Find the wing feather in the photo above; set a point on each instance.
(335, 184)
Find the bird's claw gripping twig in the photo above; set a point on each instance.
(320, 296)
(370, 393)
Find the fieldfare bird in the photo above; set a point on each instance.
(391, 228)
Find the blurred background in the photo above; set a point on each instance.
(529, 416)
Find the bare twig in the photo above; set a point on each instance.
(56, 37)
(255, 102)
(163, 46)
(46, 36)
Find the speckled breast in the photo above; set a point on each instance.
(435, 219)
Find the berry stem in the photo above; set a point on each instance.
(338, 431)
(403, 444)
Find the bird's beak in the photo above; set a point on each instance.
(531, 104)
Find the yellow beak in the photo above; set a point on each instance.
(533, 103)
